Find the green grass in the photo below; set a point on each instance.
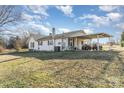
(63, 69)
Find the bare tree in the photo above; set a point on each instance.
(8, 15)
(16, 43)
(1, 45)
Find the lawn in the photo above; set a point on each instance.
(62, 69)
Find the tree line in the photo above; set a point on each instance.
(122, 39)
(10, 16)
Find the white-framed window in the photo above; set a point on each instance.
(32, 45)
(63, 43)
(50, 42)
(82, 42)
(40, 42)
(59, 43)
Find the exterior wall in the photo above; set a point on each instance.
(78, 42)
(66, 43)
(45, 46)
(58, 42)
(35, 44)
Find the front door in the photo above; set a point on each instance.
(71, 42)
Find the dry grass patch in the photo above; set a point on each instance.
(63, 69)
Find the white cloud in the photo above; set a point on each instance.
(28, 17)
(38, 9)
(98, 20)
(102, 20)
(118, 32)
(114, 16)
(67, 10)
(61, 30)
(45, 29)
(88, 31)
(11, 33)
(120, 26)
(108, 8)
(48, 24)
(39, 27)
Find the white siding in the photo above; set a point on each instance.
(35, 44)
(79, 43)
(46, 47)
(66, 43)
(58, 42)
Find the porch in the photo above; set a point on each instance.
(85, 42)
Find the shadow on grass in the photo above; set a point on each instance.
(75, 55)
(66, 68)
(95, 55)
(70, 55)
(9, 60)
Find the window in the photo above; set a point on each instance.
(40, 43)
(71, 44)
(63, 43)
(82, 42)
(59, 43)
(50, 42)
(32, 44)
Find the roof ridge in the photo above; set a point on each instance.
(67, 33)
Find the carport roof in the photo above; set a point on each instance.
(93, 36)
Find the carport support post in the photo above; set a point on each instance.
(90, 43)
(98, 42)
(109, 43)
(76, 43)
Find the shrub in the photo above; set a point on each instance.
(122, 44)
(17, 44)
(1, 49)
(122, 39)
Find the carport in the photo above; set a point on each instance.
(96, 36)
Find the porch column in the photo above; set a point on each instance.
(109, 43)
(98, 42)
(76, 42)
(62, 44)
(90, 43)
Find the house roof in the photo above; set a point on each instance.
(81, 34)
(64, 35)
(35, 37)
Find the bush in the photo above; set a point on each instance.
(17, 44)
(1, 49)
(18, 48)
(122, 39)
(122, 44)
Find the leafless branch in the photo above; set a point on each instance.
(8, 15)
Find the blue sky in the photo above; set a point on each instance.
(91, 19)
